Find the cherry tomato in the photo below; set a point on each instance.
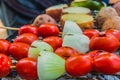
(27, 68)
(54, 41)
(28, 29)
(107, 63)
(66, 52)
(91, 32)
(26, 38)
(48, 29)
(95, 53)
(5, 63)
(4, 46)
(19, 50)
(104, 42)
(114, 32)
(78, 65)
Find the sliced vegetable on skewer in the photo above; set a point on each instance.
(77, 42)
(50, 66)
(71, 27)
(37, 46)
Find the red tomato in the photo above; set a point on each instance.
(4, 46)
(91, 32)
(19, 50)
(27, 68)
(54, 41)
(65, 52)
(5, 63)
(105, 42)
(95, 53)
(28, 29)
(47, 29)
(78, 65)
(26, 38)
(107, 63)
(114, 32)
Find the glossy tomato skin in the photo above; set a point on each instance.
(5, 63)
(27, 68)
(54, 41)
(78, 65)
(91, 32)
(26, 38)
(4, 46)
(48, 29)
(28, 29)
(19, 50)
(95, 53)
(107, 63)
(114, 32)
(66, 52)
(107, 42)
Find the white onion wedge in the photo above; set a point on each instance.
(50, 66)
(77, 42)
(36, 47)
(71, 27)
